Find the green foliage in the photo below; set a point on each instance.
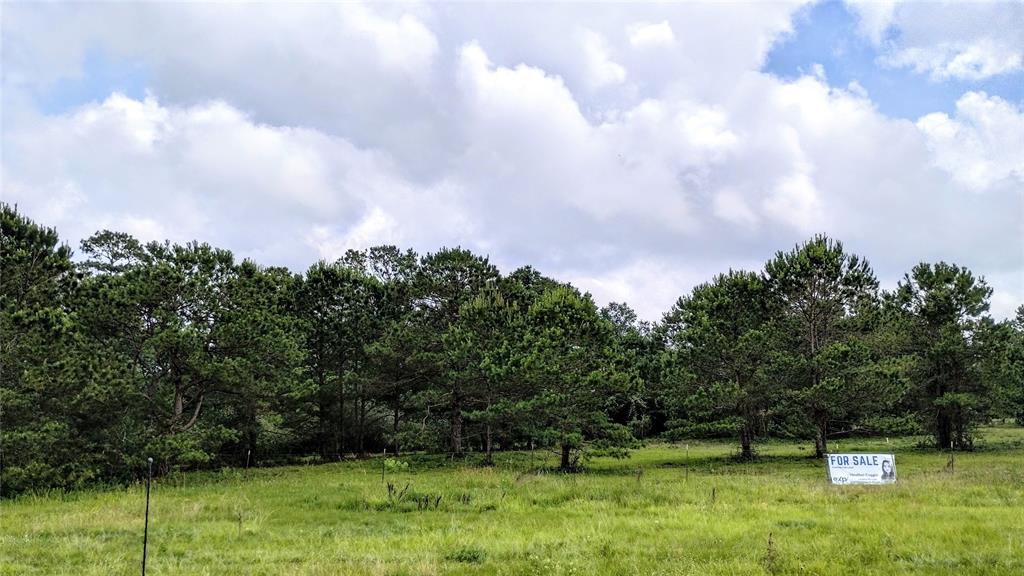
(338, 308)
(446, 281)
(39, 397)
(1005, 367)
(181, 353)
(395, 465)
(482, 349)
(718, 359)
(952, 341)
(822, 293)
(468, 555)
(574, 370)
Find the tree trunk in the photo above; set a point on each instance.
(323, 397)
(747, 431)
(456, 421)
(394, 428)
(339, 431)
(820, 437)
(251, 434)
(566, 463)
(943, 430)
(746, 441)
(820, 429)
(361, 405)
(323, 420)
(488, 445)
(179, 403)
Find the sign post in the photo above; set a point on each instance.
(861, 468)
(145, 533)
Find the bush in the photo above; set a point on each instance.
(467, 555)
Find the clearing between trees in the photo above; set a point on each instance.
(669, 509)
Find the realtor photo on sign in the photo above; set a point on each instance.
(861, 468)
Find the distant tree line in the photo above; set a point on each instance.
(184, 354)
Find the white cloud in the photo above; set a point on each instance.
(530, 138)
(707, 129)
(338, 68)
(208, 172)
(795, 201)
(65, 199)
(960, 60)
(955, 40)
(647, 34)
(982, 144)
(142, 123)
(874, 17)
(600, 67)
(732, 207)
(375, 229)
(291, 134)
(650, 285)
(1007, 289)
(405, 44)
(856, 89)
(141, 227)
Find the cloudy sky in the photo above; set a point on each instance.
(633, 149)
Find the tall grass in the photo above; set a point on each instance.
(668, 509)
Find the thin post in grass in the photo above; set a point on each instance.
(769, 556)
(383, 460)
(145, 531)
(686, 464)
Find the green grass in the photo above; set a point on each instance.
(651, 514)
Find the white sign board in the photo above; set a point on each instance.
(861, 468)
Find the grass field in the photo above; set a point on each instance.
(666, 510)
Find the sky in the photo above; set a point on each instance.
(634, 149)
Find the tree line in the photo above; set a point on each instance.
(184, 354)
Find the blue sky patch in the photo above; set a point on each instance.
(826, 34)
(101, 76)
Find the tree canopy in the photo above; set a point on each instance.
(182, 353)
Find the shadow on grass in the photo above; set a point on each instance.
(706, 464)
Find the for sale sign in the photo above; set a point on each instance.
(861, 468)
